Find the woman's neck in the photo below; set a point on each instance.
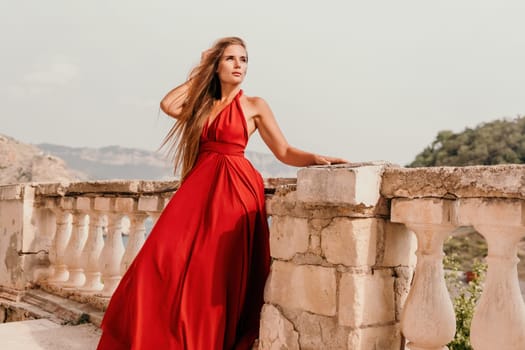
(228, 92)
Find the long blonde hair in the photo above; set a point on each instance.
(204, 88)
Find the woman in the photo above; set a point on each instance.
(197, 283)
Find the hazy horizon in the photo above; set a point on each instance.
(362, 80)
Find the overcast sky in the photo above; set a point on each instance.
(365, 80)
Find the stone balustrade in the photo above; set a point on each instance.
(91, 232)
(433, 203)
(78, 239)
(358, 258)
(356, 251)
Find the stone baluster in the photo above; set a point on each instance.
(137, 235)
(113, 250)
(112, 253)
(58, 247)
(147, 207)
(76, 243)
(499, 317)
(94, 244)
(427, 319)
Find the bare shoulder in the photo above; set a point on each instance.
(255, 100)
(255, 104)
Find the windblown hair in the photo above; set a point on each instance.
(204, 87)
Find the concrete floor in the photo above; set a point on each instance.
(43, 334)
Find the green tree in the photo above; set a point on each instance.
(497, 142)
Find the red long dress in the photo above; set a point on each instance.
(197, 283)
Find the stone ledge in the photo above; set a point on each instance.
(70, 311)
(41, 304)
(119, 187)
(97, 301)
(116, 187)
(503, 181)
(10, 294)
(21, 311)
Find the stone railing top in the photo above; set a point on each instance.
(128, 188)
(111, 187)
(504, 181)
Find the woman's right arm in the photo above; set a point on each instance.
(172, 103)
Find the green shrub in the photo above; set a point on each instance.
(464, 298)
(497, 142)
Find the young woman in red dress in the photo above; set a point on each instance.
(197, 283)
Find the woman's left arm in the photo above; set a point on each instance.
(275, 140)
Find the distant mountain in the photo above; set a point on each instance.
(21, 162)
(115, 162)
(112, 162)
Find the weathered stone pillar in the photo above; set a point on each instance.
(113, 250)
(76, 243)
(146, 207)
(16, 233)
(428, 303)
(499, 318)
(94, 244)
(339, 268)
(136, 239)
(57, 252)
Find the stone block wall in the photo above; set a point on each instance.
(341, 271)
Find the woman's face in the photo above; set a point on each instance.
(232, 65)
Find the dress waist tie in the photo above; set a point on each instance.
(231, 149)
